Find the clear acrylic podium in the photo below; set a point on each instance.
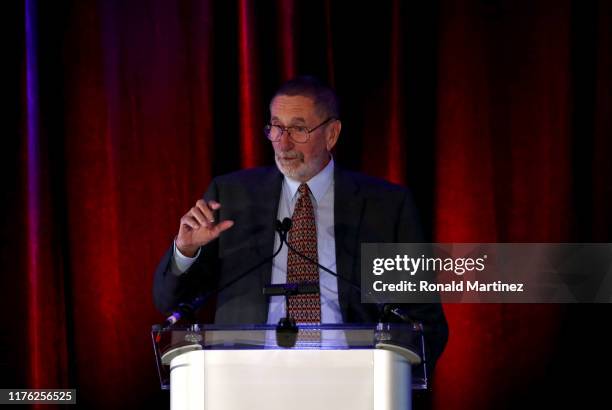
(210, 367)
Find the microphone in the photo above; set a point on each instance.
(184, 309)
(188, 308)
(283, 228)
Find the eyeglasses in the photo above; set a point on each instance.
(296, 134)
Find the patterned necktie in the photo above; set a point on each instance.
(303, 238)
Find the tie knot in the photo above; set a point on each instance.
(303, 189)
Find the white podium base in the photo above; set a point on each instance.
(368, 379)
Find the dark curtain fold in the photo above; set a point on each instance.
(498, 115)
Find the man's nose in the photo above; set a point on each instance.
(285, 143)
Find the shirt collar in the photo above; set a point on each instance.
(319, 184)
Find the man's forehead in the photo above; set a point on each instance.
(295, 107)
(289, 120)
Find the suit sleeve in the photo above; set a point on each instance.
(169, 289)
(431, 315)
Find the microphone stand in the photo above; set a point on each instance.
(184, 309)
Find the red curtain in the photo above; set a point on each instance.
(498, 115)
(503, 119)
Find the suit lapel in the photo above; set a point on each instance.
(348, 212)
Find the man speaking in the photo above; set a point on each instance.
(332, 210)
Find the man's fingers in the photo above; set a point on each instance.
(199, 216)
(190, 221)
(205, 210)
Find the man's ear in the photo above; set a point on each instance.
(333, 132)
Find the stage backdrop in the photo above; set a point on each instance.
(497, 114)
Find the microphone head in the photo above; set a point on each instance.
(286, 224)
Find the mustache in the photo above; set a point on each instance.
(289, 155)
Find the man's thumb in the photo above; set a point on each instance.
(223, 226)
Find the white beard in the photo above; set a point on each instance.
(300, 170)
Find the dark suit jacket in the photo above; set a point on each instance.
(365, 210)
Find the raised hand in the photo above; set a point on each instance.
(198, 227)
